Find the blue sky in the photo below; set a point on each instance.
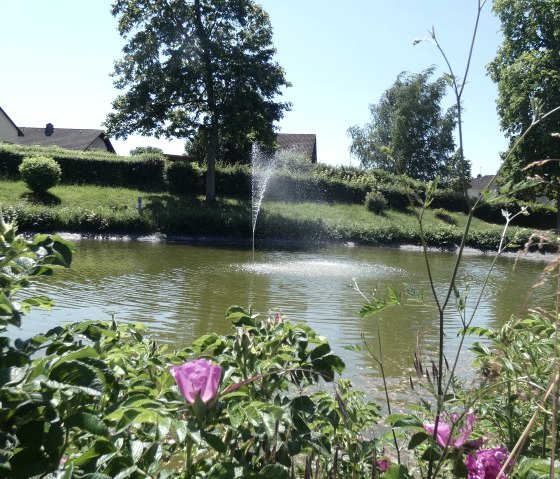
(57, 58)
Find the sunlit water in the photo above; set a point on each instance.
(181, 292)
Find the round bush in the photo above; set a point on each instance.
(375, 202)
(40, 173)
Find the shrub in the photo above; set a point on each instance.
(396, 196)
(40, 173)
(293, 161)
(444, 216)
(375, 202)
(450, 200)
(186, 178)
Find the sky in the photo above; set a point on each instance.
(57, 58)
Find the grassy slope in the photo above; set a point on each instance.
(113, 210)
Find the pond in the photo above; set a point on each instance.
(181, 292)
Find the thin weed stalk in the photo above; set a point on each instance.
(458, 90)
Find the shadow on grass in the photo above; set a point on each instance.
(44, 198)
(192, 215)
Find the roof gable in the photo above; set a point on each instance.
(3, 113)
(68, 138)
(481, 181)
(300, 143)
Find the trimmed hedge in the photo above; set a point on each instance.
(97, 168)
(185, 178)
(540, 216)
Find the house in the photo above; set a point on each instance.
(300, 143)
(9, 132)
(68, 138)
(479, 183)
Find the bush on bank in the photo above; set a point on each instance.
(39, 173)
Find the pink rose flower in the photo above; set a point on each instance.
(487, 463)
(444, 437)
(197, 378)
(382, 464)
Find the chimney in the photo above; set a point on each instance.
(49, 129)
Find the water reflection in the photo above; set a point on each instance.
(182, 291)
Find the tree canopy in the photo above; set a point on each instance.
(527, 72)
(409, 132)
(197, 69)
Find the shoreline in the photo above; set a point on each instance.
(536, 254)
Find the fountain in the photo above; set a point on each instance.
(262, 168)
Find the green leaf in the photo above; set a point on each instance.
(529, 468)
(99, 448)
(41, 302)
(215, 442)
(394, 296)
(403, 420)
(55, 440)
(88, 422)
(273, 471)
(28, 462)
(320, 351)
(76, 373)
(397, 472)
(417, 439)
(126, 472)
(31, 434)
(96, 475)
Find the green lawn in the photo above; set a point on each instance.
(94, 209)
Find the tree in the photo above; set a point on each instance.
(200, 67)
(409, 132)
(140, 150)
(527, 72)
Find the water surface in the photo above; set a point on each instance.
(182, 291)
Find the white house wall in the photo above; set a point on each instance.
(8, 132)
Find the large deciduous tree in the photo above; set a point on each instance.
(527, 71)
(409, 132)
(197, 68)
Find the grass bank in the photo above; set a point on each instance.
(107, 210)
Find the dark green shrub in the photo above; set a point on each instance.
(186, 178)
(444, 216)
(375, 202)
(234, 180)
(450, 200)
(40, 173)
(540, 216)
(396, 196)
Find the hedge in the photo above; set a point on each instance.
(95, 167)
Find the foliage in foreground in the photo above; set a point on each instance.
(97, 398)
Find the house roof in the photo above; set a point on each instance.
(481, 181)
(299, 142)
(19, 132)
(68, 138)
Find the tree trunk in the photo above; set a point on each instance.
(557, 207)
(211, 154)
(212, 147)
